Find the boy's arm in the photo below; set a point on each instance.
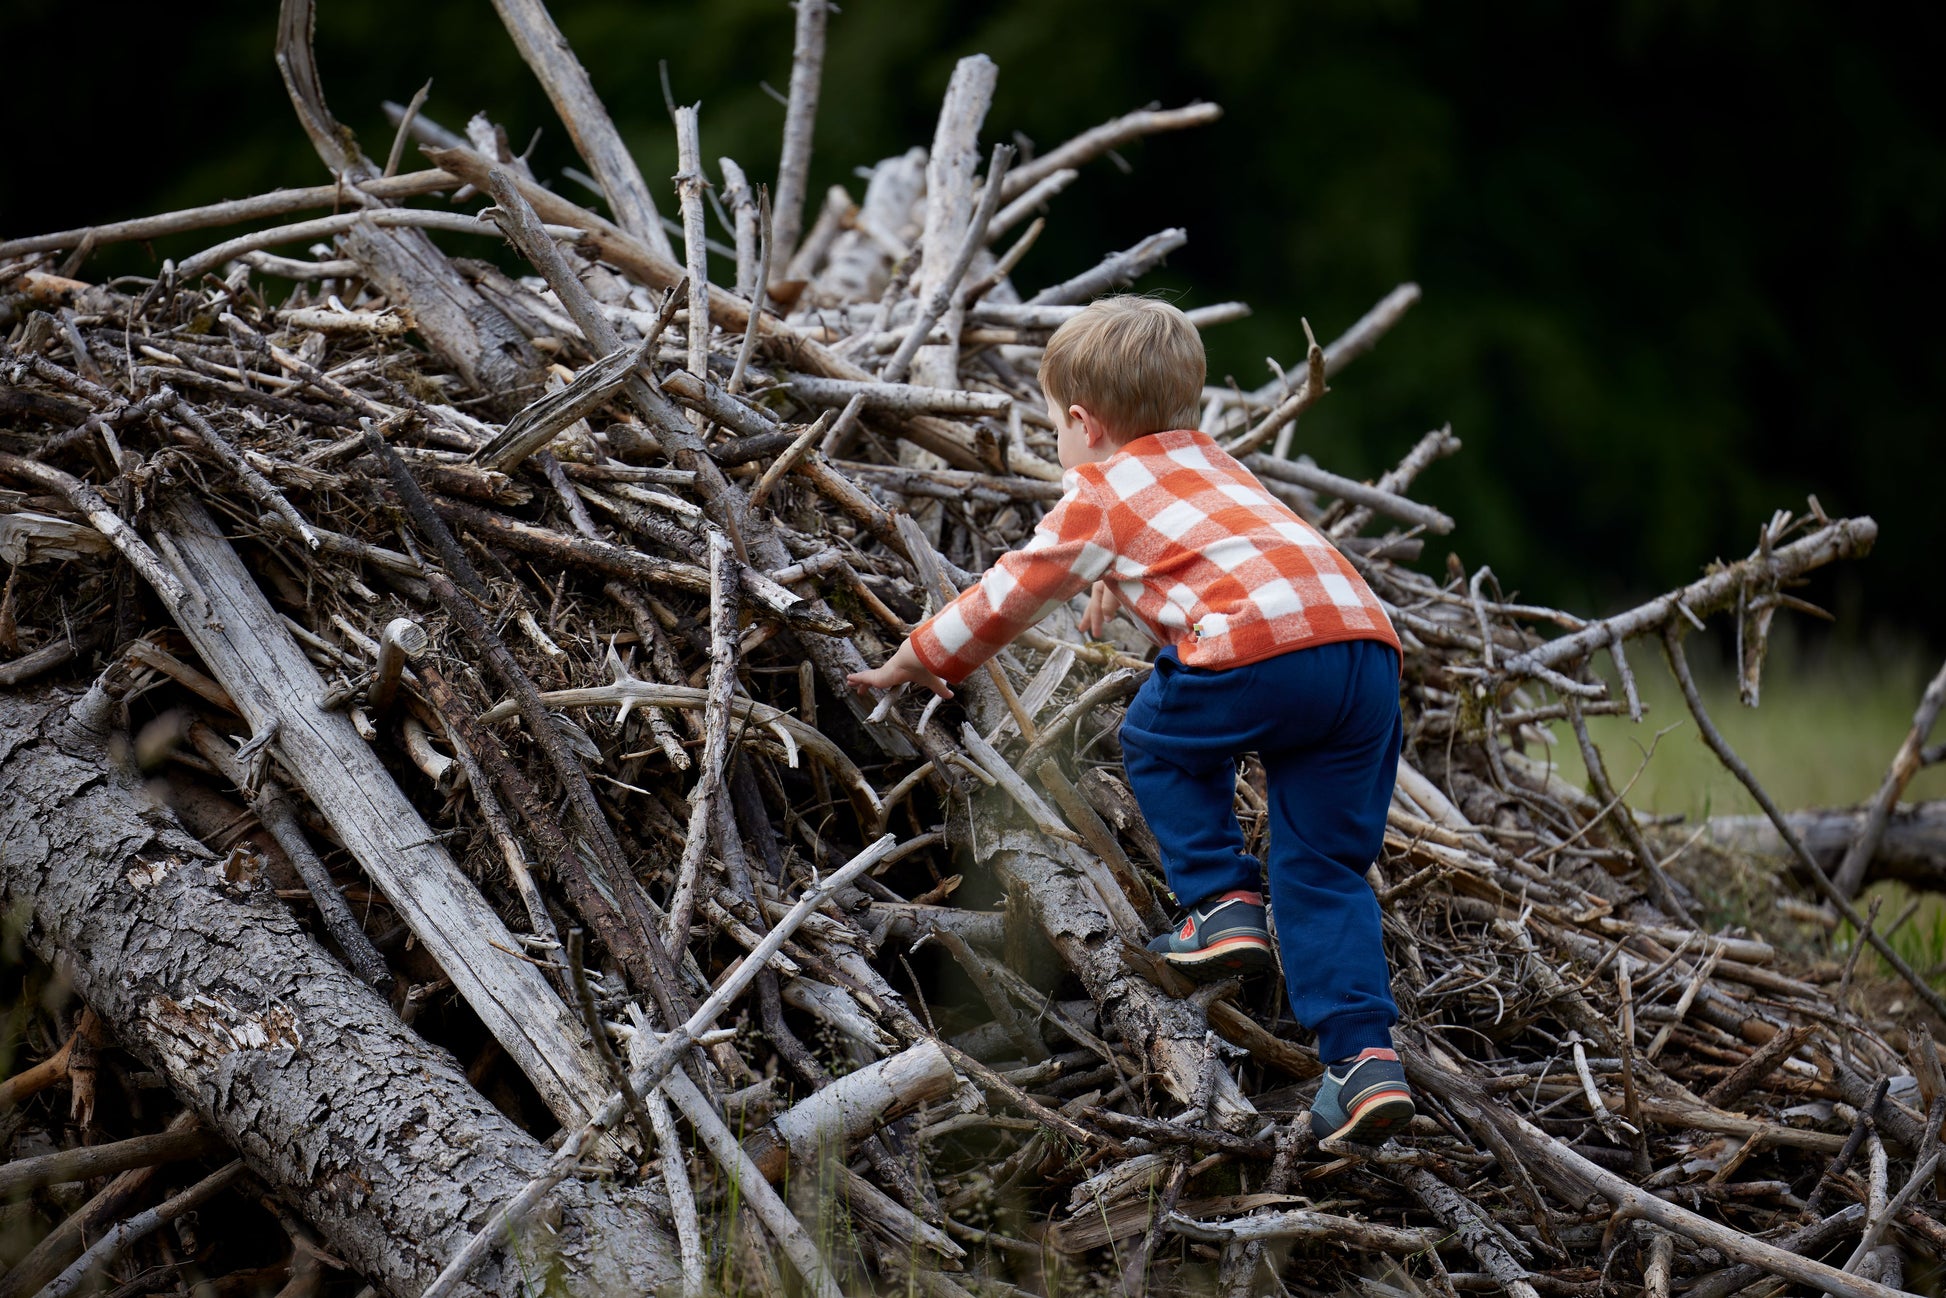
(1071, 547)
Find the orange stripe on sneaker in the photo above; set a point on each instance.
(1241, 939)
(1380, 1098)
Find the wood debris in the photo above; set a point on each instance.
(495, 622)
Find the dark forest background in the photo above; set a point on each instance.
(1680, 257)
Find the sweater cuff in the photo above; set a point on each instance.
(926, 648)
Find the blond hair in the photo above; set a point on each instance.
(1135, 362)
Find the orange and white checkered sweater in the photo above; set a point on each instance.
(1201, 554)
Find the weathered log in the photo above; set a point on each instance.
(374, 1135)
(1071, 915)
(1911, 850)
(245, 644)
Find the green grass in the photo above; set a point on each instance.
(1920, 939)
(1829, 721)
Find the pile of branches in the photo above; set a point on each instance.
(429, 757)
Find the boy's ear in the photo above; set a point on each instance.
(1093, 430)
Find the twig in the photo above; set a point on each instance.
(595, 138)
(90, 1161)
(584, 996)
(125, 1234)
(765, 242)
(792, 1239)
(689, 186)
(273, 808)
(1094, 142)
(812, 434)
(1622, 819)
(1905, 764)
(88, 502)
(1114, 271)
(404, 130)
(682, 1199)
(1760, 1065)
(276, 203)
(1841, 539)
(716, 735)
(1297, 403)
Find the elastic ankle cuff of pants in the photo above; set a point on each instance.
(1343, 1035)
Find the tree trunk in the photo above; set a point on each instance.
(370, 1132)
(1912, 849)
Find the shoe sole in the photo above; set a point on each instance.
(1225, 959)
(1377, 1118)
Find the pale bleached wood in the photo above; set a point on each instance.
(243, 642)
(940, 300)
(1030, 201)
(572, 93)
(280, 202)
(1357, 493)
(897, 398)
(855, 270)
(950, 195)
(829, 1122)
(1094, 142)
(742, 202)
(800, 120)
(1114, 271)
(391, 218)
(690, 184)
(716, 735)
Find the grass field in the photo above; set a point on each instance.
(1829, 721)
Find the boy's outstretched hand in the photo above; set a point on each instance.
(902, 668)
(1103, 604)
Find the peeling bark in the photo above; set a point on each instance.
(370, 1132)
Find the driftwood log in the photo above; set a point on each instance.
(493, 619)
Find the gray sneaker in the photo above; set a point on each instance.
(1365, 1100)
(1224, 937)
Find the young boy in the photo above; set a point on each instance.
(1270, 643)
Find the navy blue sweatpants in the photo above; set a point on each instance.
(1325, 721)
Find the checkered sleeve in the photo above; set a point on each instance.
(1070, 548)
